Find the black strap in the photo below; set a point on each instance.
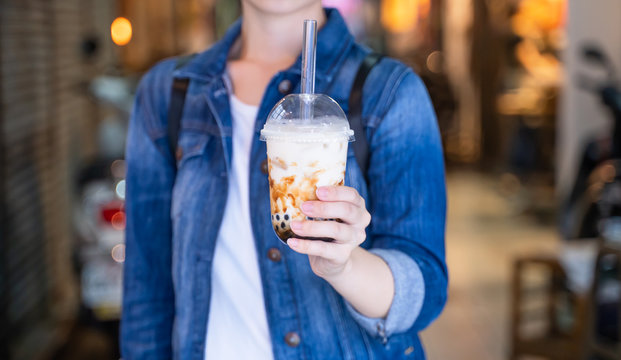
(177, 102)
(175, 112)
(361, 145)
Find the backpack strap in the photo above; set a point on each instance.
(177, 102)
(361, 145)
(175, 112)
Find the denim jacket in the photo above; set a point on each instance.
(174, 212)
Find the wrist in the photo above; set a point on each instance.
(339, 277)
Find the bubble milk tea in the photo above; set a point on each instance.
(302, 155)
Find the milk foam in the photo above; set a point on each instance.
(324, 129)
(303, 159)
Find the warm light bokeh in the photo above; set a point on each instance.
(399, 16)
(121, 31)
(118, 220)
(402, 16)
(535, 16)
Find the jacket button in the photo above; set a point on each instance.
(292, 339)
(264, 166)
(284, 87)
(273, 254)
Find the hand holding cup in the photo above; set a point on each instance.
(329, 259)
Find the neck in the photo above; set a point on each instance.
(275, 39)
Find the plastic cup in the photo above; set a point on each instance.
(307, 136)
(303, 154)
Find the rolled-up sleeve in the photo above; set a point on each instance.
(408, 297)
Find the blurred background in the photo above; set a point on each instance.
(527, 99)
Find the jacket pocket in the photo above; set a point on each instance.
(192, 144)
(192, 155)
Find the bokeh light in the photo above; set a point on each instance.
(118, 253)
(120, 189)
(118, 220)
(118, 169)
(121, 31)
(434, 62)
(399, 16)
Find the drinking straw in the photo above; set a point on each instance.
(309, 47)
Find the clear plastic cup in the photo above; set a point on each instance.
(307, 137)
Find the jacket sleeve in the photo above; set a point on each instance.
(408, 208)
(408, 298)
(148, 298)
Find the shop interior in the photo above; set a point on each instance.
(528, 101)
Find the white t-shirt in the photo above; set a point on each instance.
(237, 310)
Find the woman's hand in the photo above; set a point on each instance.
(330, 259)
(361, 277)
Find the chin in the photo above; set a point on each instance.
(281, 7)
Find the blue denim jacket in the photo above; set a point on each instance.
(173, 216)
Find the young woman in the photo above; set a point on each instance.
(205, 275)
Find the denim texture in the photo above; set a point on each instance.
(407, 301)
(173, 216)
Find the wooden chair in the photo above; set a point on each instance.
(611, 349)
(556, 342)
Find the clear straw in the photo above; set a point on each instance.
(309, 47)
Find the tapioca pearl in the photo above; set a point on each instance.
(286, 216)
(283, 225)
(278, 217)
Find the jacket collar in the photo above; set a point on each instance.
(333, 38)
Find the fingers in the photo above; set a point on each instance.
(332, 251)
(336, 202)
(346, 211)
(340, 193)
(341, 233)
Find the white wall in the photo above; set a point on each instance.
(581, 114)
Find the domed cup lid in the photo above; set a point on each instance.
(307, 118)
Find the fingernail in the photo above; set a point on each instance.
(322, 192)
(293, 242)
(296, 225)
(307, 206)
